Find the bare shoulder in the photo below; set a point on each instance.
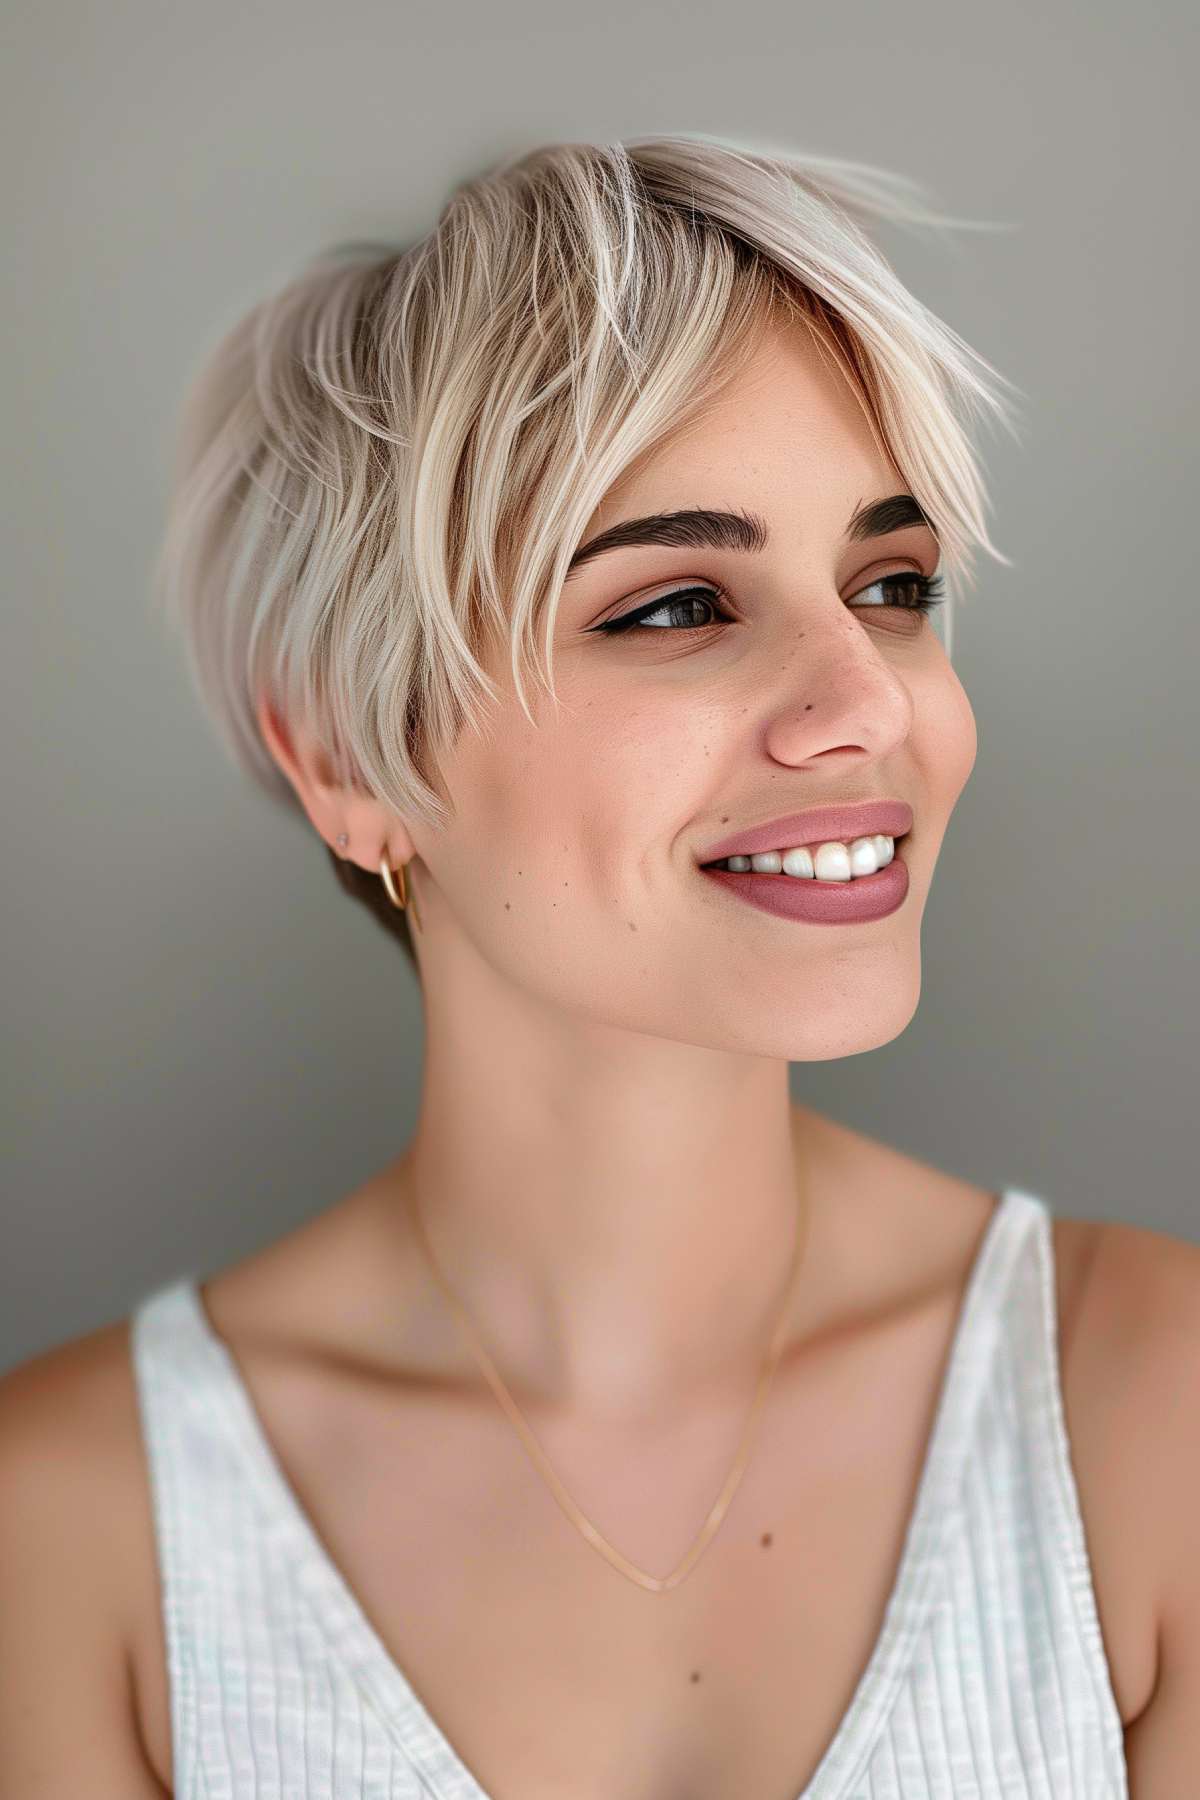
(76, 1563)
(1140, 1312)
(1139, 1331)
(70, 1436)
(1128, 1303)
(1134, 1335)
(1149, 1283)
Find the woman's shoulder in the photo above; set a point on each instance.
(76, 1529)
(1127, 1310)
(72, 1411)
(1134, 1350)
(1132, 1398)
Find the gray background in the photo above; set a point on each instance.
(204, 1041)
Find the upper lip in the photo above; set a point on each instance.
(817, 825)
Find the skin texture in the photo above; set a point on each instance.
(589, 995)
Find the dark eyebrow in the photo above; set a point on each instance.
(700, 528)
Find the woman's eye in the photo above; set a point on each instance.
(644, 615)
(919, 594)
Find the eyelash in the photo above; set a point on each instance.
(929, 592)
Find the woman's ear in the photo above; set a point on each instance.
(276, 737)
(333, 809)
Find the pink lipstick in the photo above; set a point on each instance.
(862, 898)
(818, 902)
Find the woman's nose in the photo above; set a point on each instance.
(838, 688)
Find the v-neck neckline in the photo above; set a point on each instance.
(343, 1620)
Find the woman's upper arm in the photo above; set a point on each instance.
(68, 1722)
(1162, 1745)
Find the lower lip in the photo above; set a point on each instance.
(851, 902)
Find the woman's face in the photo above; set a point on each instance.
(571, 865)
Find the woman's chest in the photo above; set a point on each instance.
(548, 1671)
(544, 1670)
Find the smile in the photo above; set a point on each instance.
(825, 889)
(830, 860)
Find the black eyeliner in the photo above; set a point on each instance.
(930, 589)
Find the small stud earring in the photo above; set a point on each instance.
(343, 840)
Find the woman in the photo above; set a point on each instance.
(636, 1431)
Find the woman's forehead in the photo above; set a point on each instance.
(787, 433)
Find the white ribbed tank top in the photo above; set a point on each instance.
(988, 1680)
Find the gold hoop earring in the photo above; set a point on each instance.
(400, 899)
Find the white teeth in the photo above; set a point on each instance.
(833, 861)
(798, 862)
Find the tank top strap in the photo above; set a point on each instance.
(1027, 1396)
(981, 1334)
(175, 1387)
(1007, 1385)
(991, 1657)
(195, 1406)
(243, 1648)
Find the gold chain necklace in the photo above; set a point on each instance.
(656, 1584)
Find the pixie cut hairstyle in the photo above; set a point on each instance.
(382, 470)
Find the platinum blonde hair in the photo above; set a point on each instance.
(387, 464)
